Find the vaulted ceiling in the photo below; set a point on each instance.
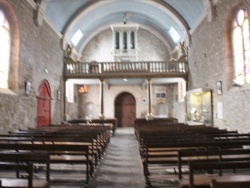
(93, 16)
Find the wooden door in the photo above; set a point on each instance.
(125, 110)
(44, 104)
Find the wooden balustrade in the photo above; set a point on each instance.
(150, 68)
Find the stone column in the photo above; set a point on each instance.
(101, 116)
(65, 117)
(149, 115)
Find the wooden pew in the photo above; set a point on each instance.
(170, 158)
(100, 134)
(239, 182)
(143, 121)
(96, 142)
(185, 156)
(159, 143)
(108, 121)
(205, 180)
(167, 152)
(27, 157)
(17, 182)
(59, 153)
(96, 138)
(96, 146)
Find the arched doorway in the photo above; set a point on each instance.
(44, 104)
(125, 110)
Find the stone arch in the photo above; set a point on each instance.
(14, 51)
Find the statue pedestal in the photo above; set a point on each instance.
(102, 117)
(149, 116)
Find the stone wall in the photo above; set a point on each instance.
(39, 49)
(207, 61)
(110, 95)
(150, 48)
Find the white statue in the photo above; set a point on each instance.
(181, 53)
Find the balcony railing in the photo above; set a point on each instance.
(132, 69)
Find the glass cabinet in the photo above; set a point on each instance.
(199, 109)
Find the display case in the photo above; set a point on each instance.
(199, 109)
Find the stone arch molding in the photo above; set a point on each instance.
(210, 10)
(40, 12)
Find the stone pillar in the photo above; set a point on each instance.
(149, 115)
(65, 117)
(101, 116)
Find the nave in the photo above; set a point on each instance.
(121, 165)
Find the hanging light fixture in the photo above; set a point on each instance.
(83, 89)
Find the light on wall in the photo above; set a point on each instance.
(83, 89)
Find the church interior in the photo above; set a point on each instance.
(125, 91)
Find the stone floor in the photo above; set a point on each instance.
(121, 167)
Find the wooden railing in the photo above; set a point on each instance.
(134, 69)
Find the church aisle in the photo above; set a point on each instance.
(121, 166)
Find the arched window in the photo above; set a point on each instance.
(241, 47)
(117, 40)
(4, 50)
(132, 40)
(125, 40)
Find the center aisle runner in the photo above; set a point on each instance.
(121, 166)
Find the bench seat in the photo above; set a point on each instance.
(205, 180)
(14, 182)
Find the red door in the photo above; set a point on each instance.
(125, 110)
(44, 104)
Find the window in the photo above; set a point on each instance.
(125, 40)
(117, 40)
(160, 95)
(70, 91)
(160, 92)
(173, 33)
(241, 50)
(77, 37)
(4, 50)
(132, 40)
